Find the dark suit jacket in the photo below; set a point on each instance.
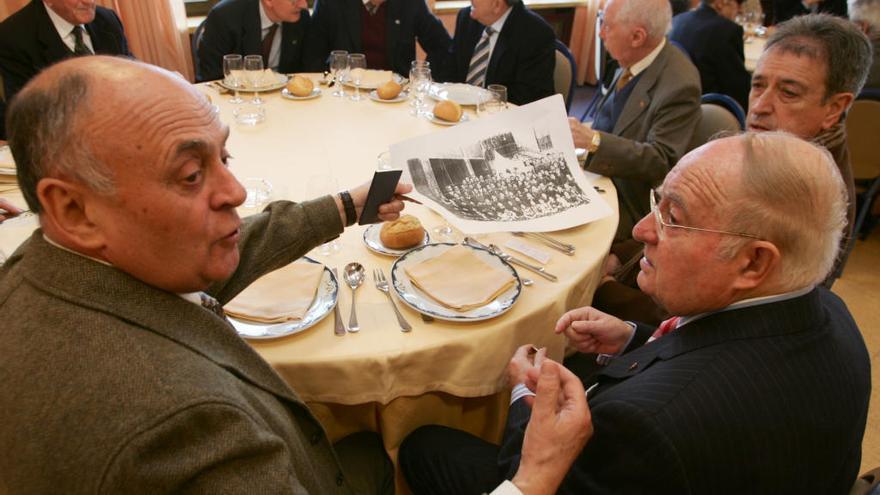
(233, 26)
(113, 386)
(29, 43)
(784, 10)
(336, 25)
(523, 58)
(769, 399)
(715, 45)
(652, 133)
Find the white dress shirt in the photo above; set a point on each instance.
(65, 30)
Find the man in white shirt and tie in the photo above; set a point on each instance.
(46, 31)
(274, 29)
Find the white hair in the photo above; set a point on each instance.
(867, 11)
(653, 15)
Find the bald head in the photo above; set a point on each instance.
(633, 28)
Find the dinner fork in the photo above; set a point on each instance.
(382, 284)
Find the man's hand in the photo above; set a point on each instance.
(7, 210)
(581, 134)
(387, 211)
(591, 330)
(559, 428)
(526, 358)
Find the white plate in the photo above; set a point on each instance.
(400, 97)
(367, 85)
(371, 239)
(325, 301)
(279, 82)
(430, 116)
(463, 94)
(419, 301)
(316, 92)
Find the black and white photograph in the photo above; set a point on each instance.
(515, 170)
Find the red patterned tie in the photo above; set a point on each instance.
(665, 327)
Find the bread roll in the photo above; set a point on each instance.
(405, 232)
(300, 86)
(389, 90)
(448, 110)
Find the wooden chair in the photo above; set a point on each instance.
(564, 73)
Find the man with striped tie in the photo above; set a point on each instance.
(502, 42)
(761, 384)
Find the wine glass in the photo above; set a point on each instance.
(420, 82)
(416, 64)
(232, 68)
(338, 67)
(357, 65)
(253, 69)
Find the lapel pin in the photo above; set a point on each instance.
(397, 21)
(633, 366)
(642, 103)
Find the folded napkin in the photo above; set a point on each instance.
(283, 295)
(268, 78)
(372, 78)
(459, 279)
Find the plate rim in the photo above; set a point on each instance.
(262, 89)
(316, 92)
(454, 318)
(434, 120)
(375, 97)
(289, 332)
(434, 96)
(394, 75)
(397, 252)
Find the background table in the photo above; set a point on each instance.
(381, 379)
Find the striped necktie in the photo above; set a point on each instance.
(665, 327)
(79, 46)
(480, 61)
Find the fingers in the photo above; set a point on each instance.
(579, 314)
(547, 390)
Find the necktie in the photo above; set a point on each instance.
(266, 45)
(665, 327)
(480, 60)
(623, 80)
(212, 305)
(79, 47)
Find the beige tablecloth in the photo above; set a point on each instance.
(380, 378)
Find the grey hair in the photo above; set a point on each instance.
(653, 15)
(845, 50)
(867, 11)
(44, 138)
(791, 194)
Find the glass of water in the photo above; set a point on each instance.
(259, 192)
(338, 67)
(232, 75)
(357, 66)
(253, 69)
(420, 82)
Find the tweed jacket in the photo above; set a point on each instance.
(234, 26)
(652, 133)
(336, 25)
(523, 58)
(109, 385)
(767, 399)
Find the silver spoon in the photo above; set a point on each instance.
(353, 273)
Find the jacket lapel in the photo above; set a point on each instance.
(53, 47)
(351, 17)
(251, 31)
(640, 98)
(504, 41)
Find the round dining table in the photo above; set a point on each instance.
(381, 378)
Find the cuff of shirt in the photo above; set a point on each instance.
(519, 391)
(506, 488)
(603, 359)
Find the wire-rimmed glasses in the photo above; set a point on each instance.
(253, 69)
(662, 224)
(232, 75)
(338, 67)
(357, 66)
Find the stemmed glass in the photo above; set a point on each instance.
(253, 68)
(414, 65)
(357, 64)
(420, 81)
(338, 67)
(232, 68)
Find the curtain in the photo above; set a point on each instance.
(156, 30)
(583, 40)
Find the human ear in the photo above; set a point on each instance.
(835, 106)
(66, 215)
(756, 262)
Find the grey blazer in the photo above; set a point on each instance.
(651, 134)
(109, 385)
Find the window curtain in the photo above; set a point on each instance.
(156, 30)
(583, 40)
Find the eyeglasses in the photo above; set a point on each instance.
(662, 224)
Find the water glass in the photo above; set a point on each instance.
(357, 66)
(253, 68)
(249, 115)
(420, 82)
(339, 69)
(494, 100)
(232, 75)
(320, 185)
(384, 160)
(414, 65)
(259, 192)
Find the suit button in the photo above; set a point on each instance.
(316, 437)
(339, 479)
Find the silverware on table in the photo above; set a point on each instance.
(338, 325)
(557, 245)
(492, 248)
(382, 284)
(426, 318)
(353, 273)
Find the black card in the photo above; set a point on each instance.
(381, 192)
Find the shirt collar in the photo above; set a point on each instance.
(61, 25)
(265, 22)
(746, 303)
(497, 25)
(643, 64)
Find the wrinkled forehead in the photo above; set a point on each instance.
(707, 177)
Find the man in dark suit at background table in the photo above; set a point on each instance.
(120, 375)
(519, 52)
(715, 45)
(275, 29)
(44, 32)
(760, 385)
(385, 31)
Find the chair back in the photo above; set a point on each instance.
(714, 119)
(729, 103)
(564, 73)
(862, 122)
(867, 484)
(196, 41)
